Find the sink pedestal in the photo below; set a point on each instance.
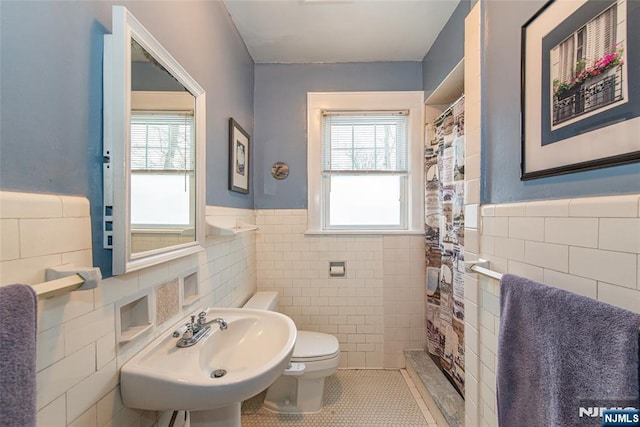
(228, 416)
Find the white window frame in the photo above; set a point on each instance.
(365, 101)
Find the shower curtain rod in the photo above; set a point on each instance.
(449, 108)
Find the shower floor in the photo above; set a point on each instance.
(353, 398)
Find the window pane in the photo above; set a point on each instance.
(365, 200)
(160, 199)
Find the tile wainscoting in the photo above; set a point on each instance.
(78, 358)
(589, 246)
(376, 310)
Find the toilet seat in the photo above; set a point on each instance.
(315, 346)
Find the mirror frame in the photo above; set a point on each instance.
(117, 144)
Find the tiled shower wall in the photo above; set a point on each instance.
(376, 311)
(78, 358)
(589, 246)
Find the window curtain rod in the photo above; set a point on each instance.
(449, 108)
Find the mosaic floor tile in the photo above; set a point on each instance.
(352, 398)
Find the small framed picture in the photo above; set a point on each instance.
(239, 154)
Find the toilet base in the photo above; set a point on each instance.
(290, 395)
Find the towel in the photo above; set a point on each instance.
(558, 352)
(18, 327)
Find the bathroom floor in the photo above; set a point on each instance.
(353, 398)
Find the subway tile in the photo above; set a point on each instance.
(61, 376)
(548, 255)
(572, 283)
(57, 310)
(490, 302)
(86, 329)
(619, 296)
(90, 390)
(50, 347)
(471, 240)
(29, 205)
(87, 419)
(495, 226)
(548, 208)
(605, 207)
(54, 235)
(620, 234)
(472, 167)
(105, 350)
(509, 248)
(10, 241)
(54, 414)
(487, 210)
(572, 231)
(74, 206)
(28, 270)
(82, 258)
(618, 268)
(487, 245)
(472, 191)
(472, 363)
(473, 141)
(526, 228)
(510, 209)
(470, 289)
(471, 215)
(526, 270)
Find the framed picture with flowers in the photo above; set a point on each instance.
(580, 96)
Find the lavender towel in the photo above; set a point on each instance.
(558, 351)
(18, 326)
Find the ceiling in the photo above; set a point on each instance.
(317, 31)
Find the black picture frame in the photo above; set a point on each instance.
(239, 158)
(579, 114)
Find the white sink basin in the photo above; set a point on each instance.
(254, 350)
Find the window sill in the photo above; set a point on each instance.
(368, 232)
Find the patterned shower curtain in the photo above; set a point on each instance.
(444, 246)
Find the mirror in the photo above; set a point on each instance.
(154, 137)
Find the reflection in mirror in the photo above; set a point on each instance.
(154, 150)
(162, 156)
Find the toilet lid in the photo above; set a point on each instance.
(315, 344)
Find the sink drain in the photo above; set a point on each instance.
(218, 373)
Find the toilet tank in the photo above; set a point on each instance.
(263, 301)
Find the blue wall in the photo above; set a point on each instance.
(447, 50)
(51, 104)
(501, 121)
(281, 117)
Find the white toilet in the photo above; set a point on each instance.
(319, 353)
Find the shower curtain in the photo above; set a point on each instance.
(444, 241)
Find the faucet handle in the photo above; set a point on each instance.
(202, 317)
(188, 334)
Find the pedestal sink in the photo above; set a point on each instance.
(212, 377)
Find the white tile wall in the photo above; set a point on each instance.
(473, 132)
(376, 311)
(589, 246)
(77, 355)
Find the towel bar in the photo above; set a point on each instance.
(481, 266)
(57, 287)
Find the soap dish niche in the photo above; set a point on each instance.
(189, 287)
(133, 317)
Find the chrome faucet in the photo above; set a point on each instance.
(197, 329)
(221, 322)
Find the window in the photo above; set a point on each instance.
(364, 162)
(162, 169)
